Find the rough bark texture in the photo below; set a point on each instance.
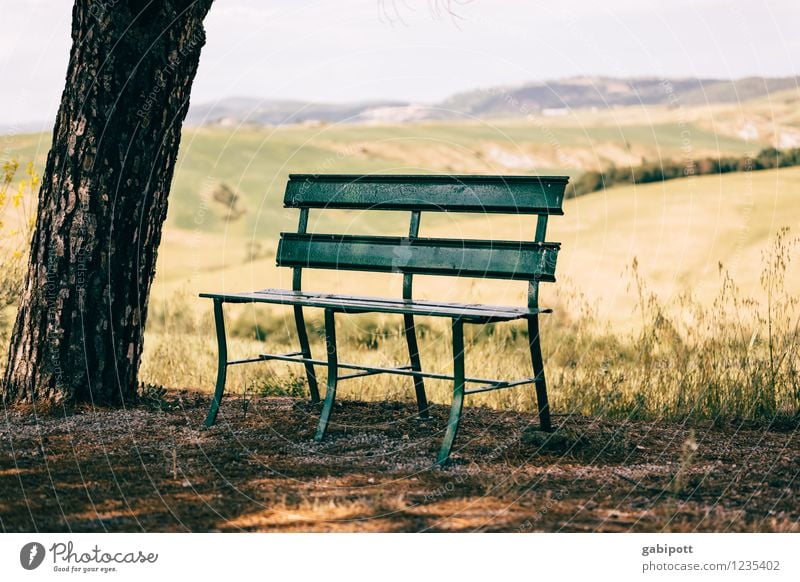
(79, 329)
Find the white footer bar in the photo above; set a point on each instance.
(377, 557)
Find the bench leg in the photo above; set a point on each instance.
(538, 371)
(222, 365)
(305, 348)
(416, 364)
(458, 392)
(333, 371)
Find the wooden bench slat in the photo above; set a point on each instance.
(483, 194)
(392, 300)
(363, 304)
(423, 256)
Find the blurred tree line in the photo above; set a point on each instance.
(766, 159)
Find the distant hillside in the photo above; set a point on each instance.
(248, 110)
(601, 92)
(551, 98)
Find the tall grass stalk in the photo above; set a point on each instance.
(17, 217)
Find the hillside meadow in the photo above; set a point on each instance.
(256, 161)
(650, 276)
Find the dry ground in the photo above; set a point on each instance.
(154, 470)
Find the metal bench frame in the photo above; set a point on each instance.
(458, 313)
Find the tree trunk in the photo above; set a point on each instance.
(79, 329)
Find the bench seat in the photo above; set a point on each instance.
(479, 313)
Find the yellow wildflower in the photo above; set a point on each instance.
(17, 198)
(9, 169)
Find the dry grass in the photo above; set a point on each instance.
(733, 359)
(728, 356)
(17, 204)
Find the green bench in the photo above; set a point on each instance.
(412, 255)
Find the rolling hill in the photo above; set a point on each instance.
(683, 234)
(679, 231)
(606, 92)
(256, 161)
(550, 98)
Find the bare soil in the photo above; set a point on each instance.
(143, 469)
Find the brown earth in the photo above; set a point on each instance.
(142, 469)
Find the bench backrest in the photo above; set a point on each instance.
(533, 261)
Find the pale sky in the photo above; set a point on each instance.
(412, 50)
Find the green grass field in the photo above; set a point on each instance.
(256, 162)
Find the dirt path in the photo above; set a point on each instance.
(142, 469)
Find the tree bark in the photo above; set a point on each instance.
(78, 333)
